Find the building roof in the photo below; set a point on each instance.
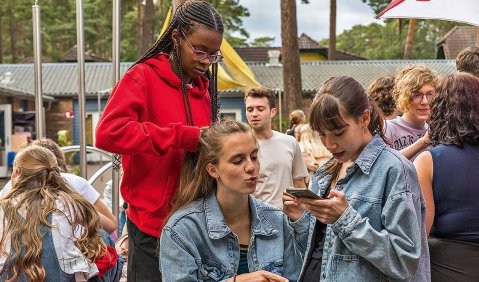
(305, 44)
(71, 56)
(456, 40)
(60, 80)
(255, 54)
(314, 74)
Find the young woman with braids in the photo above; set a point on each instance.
(448, 174)
(153, 116)
(48, 232)
(370, 224)
(217, 230)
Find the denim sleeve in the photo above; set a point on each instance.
(177, 263)
(296, 239)
(396, 249)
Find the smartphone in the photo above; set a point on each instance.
(302, 192)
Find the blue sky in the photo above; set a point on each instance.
(313, 18)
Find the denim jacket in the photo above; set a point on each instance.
(197, 245)
(381, 235)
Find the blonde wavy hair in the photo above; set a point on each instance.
(36, 189)
(409, 80)
(310, 141)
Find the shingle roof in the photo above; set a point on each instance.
(314, 74)
(306, 42)
(255, 54)
(71, 56)
(60, 80)
(457, 39)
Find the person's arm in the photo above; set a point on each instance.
(121, 131)
(425, 169)
(396, 249)
(422, 143)
(299, 171)
(107, 219)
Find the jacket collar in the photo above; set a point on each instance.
(216, 225)
(370, 153)
(161, 65)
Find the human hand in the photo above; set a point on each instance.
(292, 209)
(259, 276)
(328, 211)
(425, 139)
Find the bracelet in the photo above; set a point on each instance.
(234, 278)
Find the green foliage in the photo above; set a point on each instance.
(383, 42)
(377, 5)
(64, 139)
(262, 41)
(59, 26)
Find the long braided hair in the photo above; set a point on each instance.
(189, 16)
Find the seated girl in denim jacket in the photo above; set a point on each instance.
(371, 226)
(216, 230)
(48, 231)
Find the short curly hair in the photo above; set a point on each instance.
(409, 80)
(468, 60)
(381, 92)
(455, 111)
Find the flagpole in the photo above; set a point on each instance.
(116, 76)
(37, 54)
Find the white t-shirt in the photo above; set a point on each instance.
(281, 161)
(78, 184)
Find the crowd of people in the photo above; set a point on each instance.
(391, 172)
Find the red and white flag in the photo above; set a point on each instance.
(465, 11)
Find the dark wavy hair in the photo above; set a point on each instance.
(343, 97)
(455, 111)
(381, 92)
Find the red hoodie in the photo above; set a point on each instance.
(144, 121)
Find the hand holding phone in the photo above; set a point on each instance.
(302, 192)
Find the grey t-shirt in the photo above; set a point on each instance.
(403, 134)
(281, 161)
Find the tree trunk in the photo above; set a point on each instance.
(147, 36)
(13, 33)
(1, 35)
(409, 40)
(332, 31)
(139, 29)
(290, 56)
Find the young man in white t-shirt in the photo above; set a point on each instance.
(281, 161)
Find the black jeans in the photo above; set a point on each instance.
(143, 261)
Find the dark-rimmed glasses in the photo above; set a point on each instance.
(201, 55)
(419, 96)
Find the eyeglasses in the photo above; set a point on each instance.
(200, 55)
(419, 96)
